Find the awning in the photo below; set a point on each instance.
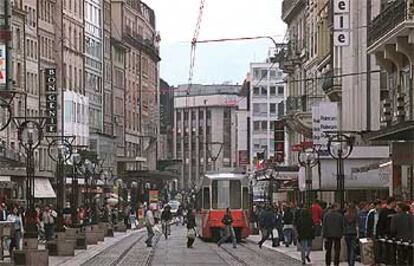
(401, 131)
(43, 189)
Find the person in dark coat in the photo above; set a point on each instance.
(288, 225)
(401, 224)
(384, 219)
(267, 221)
(228, 229)
(191, 224)
(332, 231)
(351, 232)
(305, 230)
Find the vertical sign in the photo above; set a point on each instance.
(3, 64)
(51, 100)
(279, 141)
(341, 35)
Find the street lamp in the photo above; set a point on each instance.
(30, 135)
(5, 114)
(308, 158)
(340, 148)
(134, 195)
(63, 144)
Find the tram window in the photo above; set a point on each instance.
(246, 198)
(221, 194)
(235, 192)
(206, 198)
(198, 201)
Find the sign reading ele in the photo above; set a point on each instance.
(51, 100)
(341, 23)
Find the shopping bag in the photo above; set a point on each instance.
(191, 234)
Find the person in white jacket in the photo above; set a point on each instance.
(17, 230)
(149, 223)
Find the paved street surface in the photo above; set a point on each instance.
(129, 249)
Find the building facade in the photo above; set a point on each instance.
(205, 130)
(267, 95)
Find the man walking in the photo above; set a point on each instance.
(332, 231)
(149, 223)
(228, 229)
(317, 213)
(384, 219)
(267, 221)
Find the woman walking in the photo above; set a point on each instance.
(191, 233)
(17, 229)
(351, 232)
(304, 228)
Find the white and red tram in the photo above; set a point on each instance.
(218, 191)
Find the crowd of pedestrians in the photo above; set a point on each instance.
(289, 224)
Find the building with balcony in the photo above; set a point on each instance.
(133, 26)
(391, 42)
(267, 95)
(205, 130)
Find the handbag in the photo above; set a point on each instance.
(191, 234)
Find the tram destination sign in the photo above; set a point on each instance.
(51, 100)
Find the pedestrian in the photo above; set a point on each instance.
(332, 231)
(384, 218)
(3, 212)
(166, 217)
(351, 232)
(401, 224)
(17, 229)
(149, 223)
(267, 221)
(412, 208)
(305, 230)
(228, 229)
(288, 225)
(48, 222)
(191, 224)
(180, 219)
(362, 218)
(372, 220)
(317, 212)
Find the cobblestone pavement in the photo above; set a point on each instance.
(173, 251)
(131, 250)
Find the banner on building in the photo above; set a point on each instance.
(3, 64)
(51, 100)
(324, 119)
(243, 158)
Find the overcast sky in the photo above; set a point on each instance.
(218, 62)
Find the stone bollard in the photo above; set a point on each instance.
(31, 255)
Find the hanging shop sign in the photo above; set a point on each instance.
(51, 100)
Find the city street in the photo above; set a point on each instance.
(130, 249)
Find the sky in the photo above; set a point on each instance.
(215, 62)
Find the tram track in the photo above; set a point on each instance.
(234, 256)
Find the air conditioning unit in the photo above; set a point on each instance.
(400, 106)
(386, 111)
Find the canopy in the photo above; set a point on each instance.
(43, 189)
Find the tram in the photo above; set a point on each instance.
(218, 191)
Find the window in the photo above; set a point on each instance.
(264, 125)
(256, 125)
(264, 91)
(263, 73)
(272, 108)
(256, 73)
(272, 91)
(272, 74)
(206, 198)
(235, 192)
(256, 90)
(280, 90)
(246, 198)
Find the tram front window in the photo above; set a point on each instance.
(226, 194)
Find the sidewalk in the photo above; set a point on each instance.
(82, 256)
(317, 257)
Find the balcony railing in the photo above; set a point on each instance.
(389, 18)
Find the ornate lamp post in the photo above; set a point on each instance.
(30, 135)
(60, 151)
(308, 158)
(340, 148)
(134, 195)
(5, 114)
